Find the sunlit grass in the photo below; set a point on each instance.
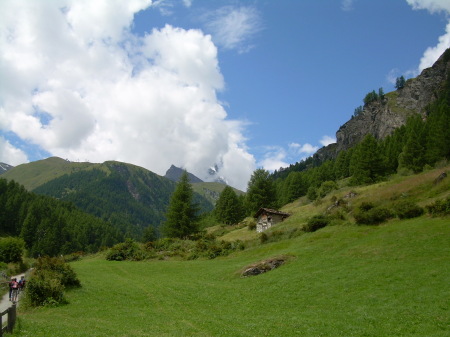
(390, 280)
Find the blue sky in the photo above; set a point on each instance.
(198, 83)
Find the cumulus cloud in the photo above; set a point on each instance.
(431, 54)
(233, 27)
(327, 140)
(81, 86)
(276, 157)
(10, 154)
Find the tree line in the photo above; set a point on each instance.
(49, 226)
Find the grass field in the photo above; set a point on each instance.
(389, 280)
(343, 280)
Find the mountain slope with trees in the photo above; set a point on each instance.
(127, 196)
(49, 226)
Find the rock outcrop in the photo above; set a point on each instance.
(382, 117)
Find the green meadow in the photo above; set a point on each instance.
(388, 280)
(342, 280)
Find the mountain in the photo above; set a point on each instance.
(128, 196)
(5, 167)
(381, 117)
(209, 190)
(174, 173)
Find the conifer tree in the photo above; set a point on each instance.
(261, 191)
(182, 219)
(413, 152)
(367, 164)
(229, 208)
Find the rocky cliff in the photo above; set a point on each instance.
(381, 117)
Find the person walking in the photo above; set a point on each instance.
(14, 290)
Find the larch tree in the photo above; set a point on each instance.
(182, 219)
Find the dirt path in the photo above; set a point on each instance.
(5, 303)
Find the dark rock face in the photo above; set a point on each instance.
(381, 118)
(174, 173)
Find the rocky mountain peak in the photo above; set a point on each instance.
(174, 173)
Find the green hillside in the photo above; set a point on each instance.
(34, 174)
(127, 196)
(342, 280)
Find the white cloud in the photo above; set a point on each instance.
(187, 3)
(274, 158)
(81, 86)
(347, 5)
(431, 5)
(233, 27)
(327, 140)
(11, 155)
(431, 54)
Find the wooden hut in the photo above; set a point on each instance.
(266, 218)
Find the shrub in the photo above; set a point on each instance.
(372, 216)
(326, 187)
(407, 210)
(66, 274)
(11, 249)
(43, 288)
(128, 250)
(48, 281)
(263, 238)
(316, 222)
(439, 207)
(252, 225)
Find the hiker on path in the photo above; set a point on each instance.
(13, 290)
(22, 283)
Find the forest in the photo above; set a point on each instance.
(49, 226)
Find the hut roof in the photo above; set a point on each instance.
(270, 211)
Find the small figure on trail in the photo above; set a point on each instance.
(21, 283)
(14, 288)
(10, 287)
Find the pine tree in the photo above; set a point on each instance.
(400, 82)
(229, 208)
(413, 153)
(367, 164)
(260, 191)
(182, 219)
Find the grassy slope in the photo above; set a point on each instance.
(388, 280)
(42, 171)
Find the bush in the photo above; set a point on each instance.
(252, 225)
(43, 288)
(407, 210)
(316, 222)
(263, 237)
(48, 281)
(326, 187)
(67, 275)
(128, 250)
(372, 216)
(439, 207)
(11, 249)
